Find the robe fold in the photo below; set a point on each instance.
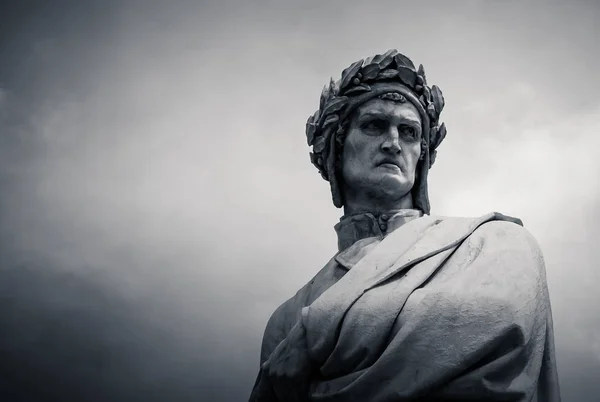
(434, 308)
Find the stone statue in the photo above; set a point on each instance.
(413, 306)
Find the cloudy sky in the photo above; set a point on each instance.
(157, 200)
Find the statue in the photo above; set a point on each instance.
(413, 306)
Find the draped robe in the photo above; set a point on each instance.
(417, 308)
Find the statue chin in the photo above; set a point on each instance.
(392, 186)
(379, 190)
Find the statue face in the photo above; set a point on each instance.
(381, 150)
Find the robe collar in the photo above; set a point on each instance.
(357, 232)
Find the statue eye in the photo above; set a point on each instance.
(409, 131)
(375, 124)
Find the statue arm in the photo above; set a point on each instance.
(275, 332)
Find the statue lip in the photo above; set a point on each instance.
(390, 161)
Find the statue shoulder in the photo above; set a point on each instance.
(512, 243)
(494, 232)
(508, 233)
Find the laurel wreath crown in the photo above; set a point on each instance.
(357, 79)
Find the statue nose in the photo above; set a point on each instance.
(392, 142)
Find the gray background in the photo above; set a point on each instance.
(156, 196)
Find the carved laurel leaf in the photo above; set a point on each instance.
(349, 73)
(324, 97)
(314, 119)
(432, 112)
(402, 60)
(421, 72)
(311, 127)
(334, 104)
(387, 58)
(310, 132)
(319, 145)
(438, 98)
(442, 135)
(432, 156)
(407, 76)
(332, 118)
(370, 71)
(316, 116)
(332, 88)
(377, 59)
(386, 74)
(427, 93)
(358, 89)
(434, 134)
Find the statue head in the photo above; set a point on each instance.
(376, 132)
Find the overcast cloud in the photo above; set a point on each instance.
(157, 200)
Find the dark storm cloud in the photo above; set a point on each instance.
(157, 202)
